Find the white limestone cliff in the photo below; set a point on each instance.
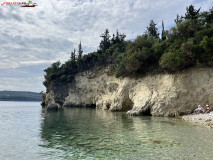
(158, 95)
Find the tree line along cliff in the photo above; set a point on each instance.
(188, 44)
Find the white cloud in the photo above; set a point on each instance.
(36, 62)
(35, 37)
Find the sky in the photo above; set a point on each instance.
(32, 38)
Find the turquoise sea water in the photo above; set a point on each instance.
(28, 133)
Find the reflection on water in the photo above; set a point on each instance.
(72, 134)
(96, 134)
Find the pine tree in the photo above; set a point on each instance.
(178, 19)
(152, 30)
(113, 40)
(118, 38)
(191, 12)
(105, 42)
(80, 51)
(73, 56)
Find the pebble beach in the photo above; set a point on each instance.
(201, 119)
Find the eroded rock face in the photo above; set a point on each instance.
(56, 94)
(53, 107)
(158, 95)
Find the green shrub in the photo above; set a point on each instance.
(69, 78)
(207, 45)
(172, 60)
(63, 78)
(132, 63)
(53, 76)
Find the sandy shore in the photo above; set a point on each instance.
(203, 119)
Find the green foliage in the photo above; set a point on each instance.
(141, 56)
(120, 70)
(73, 56)
(189, 43)
(178, 19)
(80, 51)
(209, 16)
(133, 62)
(163, 34)
(63, 78)
(206, 31)
(152, 29)
(186, 29)
(172, 60)
(207, 45)
(69, 78)
(191, 12)
(118, 38)
(52, 72)
(105, 42)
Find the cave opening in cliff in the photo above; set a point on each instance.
(147, 112)
(91, 106)
(127, 104)
(108, 106)
(60, 103)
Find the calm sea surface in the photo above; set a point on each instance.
(27, 133)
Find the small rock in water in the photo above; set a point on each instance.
(53, 106)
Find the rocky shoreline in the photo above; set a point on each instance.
(201, 119)
(168, 95)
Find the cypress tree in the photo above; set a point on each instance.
(80, 51)
(163, 36)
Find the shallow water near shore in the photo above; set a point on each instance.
(79, 133)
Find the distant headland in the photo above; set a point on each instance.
(20, 96)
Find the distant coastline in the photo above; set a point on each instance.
(20, 96)
(21, 100)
